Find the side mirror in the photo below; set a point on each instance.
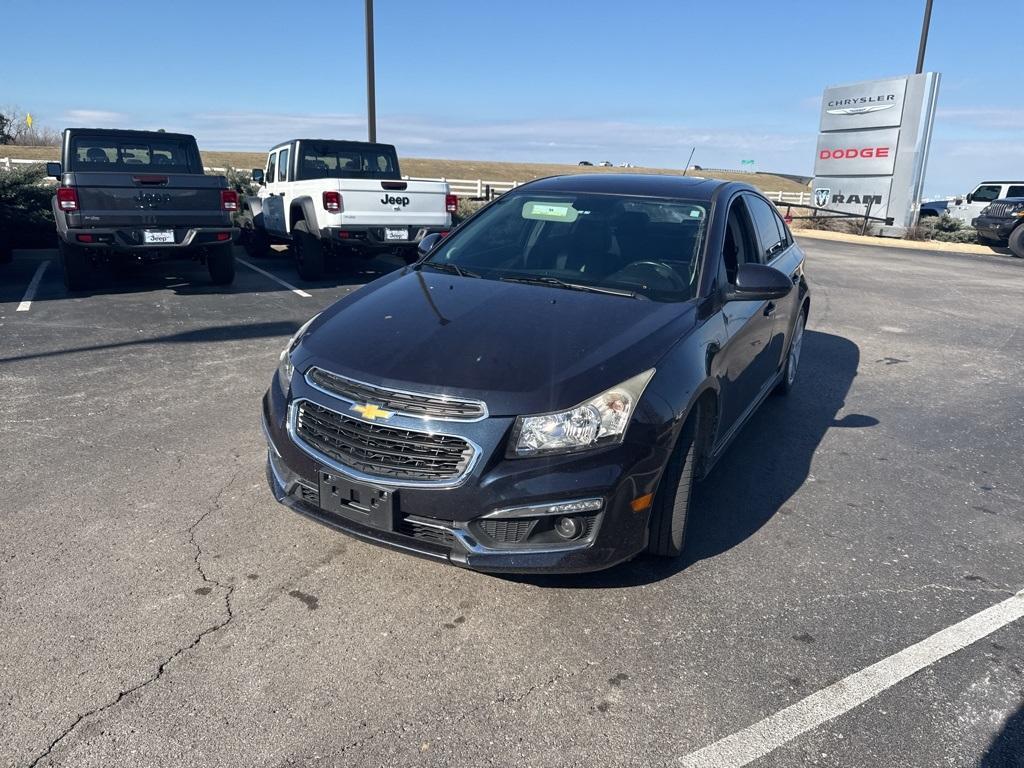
(758, 282)
(428, 243)
(54, 170)
(257, 175)
(970, 197)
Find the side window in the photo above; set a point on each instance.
(271, 168)
(1016, 191)
(986, 193)
(769, 228)
(739, 245)
(282, 165)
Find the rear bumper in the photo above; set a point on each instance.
(132, 239)
(372, 238)
(995, 228)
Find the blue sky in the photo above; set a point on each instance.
(639, 81)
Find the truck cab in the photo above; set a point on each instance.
(323, 196)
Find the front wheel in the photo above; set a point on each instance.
(221, 264)
(75, 264)
(793, 358)
(671, 510)
(1016, 242)
(308, 251)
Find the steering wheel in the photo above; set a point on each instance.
(665, 273)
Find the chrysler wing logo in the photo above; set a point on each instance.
(821, 196)
(859, 110)
(371, 412)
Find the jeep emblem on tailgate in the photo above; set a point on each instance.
(152, 199)
(392, 200)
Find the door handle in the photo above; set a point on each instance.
(769, 309)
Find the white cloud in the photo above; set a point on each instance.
(983, 117)
(93, 118)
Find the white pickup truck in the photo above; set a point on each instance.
(325, 197)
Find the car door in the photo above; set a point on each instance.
(283, 188)
(777, 250)
(273, 211)
(745, 360)
(971, 207)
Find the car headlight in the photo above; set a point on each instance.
(602, 420)
(285, 369)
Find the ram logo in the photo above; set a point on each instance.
(821, 196)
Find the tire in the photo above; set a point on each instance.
(792, 367)
(308, 252)
(1016, 242)
(76, 266)
(671, 510)
(255, 241)
(221, 264)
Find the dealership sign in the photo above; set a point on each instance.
(873, 146)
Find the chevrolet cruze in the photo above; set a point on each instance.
(541, 390)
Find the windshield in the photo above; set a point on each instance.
(162, 154)
(636, 245)
(344, 160)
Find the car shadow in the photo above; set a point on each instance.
(767, 463)
(1007, 748)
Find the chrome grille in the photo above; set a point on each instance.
(403, 403)
(379, 451)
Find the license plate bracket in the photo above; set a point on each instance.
(355, 501)
(396, 233)
(158, 236)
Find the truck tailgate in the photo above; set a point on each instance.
(393, 202)
(147, 199)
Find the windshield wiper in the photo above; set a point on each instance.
(556, 283)
(447, 266)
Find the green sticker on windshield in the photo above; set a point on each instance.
(542, 211)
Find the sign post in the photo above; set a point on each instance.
(873, 147)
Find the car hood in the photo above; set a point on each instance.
(520, 348)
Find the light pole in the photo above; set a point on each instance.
(371, 97)
(924, 35)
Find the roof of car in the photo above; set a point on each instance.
(640, 184)
(129, 132)
(339, 141)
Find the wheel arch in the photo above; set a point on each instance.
(302, 208)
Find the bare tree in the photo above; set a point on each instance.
(18, 131)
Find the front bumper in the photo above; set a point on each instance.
(995, 228)
(132, 239)
(439, 523)
(372, 238)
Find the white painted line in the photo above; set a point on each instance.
(756, 741)
(276, 279)
(33, 286)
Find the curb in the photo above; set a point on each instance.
(910, 245)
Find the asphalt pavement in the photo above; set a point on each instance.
(158, 608)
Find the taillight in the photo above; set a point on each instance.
(228, 200)
(332, 202)
(67, 198)
(451, 203)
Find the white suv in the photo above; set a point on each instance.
(966, 209)
(324, 196)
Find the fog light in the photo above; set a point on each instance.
(568, 527)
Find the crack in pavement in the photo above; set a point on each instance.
(228, 591)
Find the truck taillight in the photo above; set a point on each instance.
(228, 200)
(332, 202)
(67, 198)
(451, 203)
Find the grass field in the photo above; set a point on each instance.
(453, 169)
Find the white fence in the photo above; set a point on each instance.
(475, 188)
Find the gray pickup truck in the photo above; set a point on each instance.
(139, 196)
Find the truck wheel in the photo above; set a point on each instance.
(255, 241)
(75, 263)
(308, 251)
(671, 509)
(221, 263)
(1017, 242)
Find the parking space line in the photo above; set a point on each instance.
(33, 286)
(276, 279)
(757, 740)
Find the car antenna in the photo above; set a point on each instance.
(687, 166)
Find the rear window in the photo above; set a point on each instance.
(327, 160)
(159, 154)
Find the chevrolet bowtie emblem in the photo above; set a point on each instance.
(371, 412)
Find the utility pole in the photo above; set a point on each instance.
(371, 96)
(924, 35)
